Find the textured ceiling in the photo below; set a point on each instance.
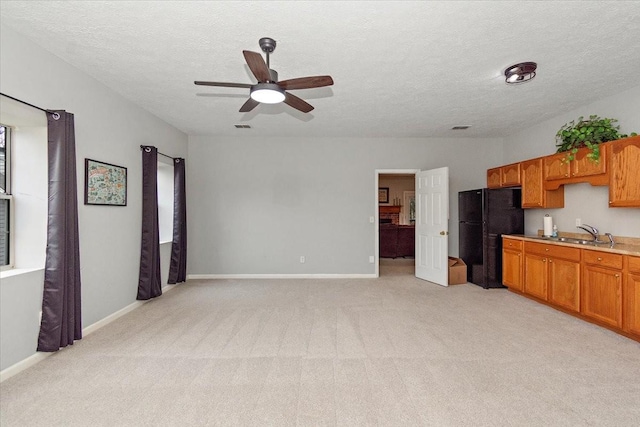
(401, 69)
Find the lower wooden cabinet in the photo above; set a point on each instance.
(564, 283)
(535, 275)
(552, 273)
(631, 293)
(595, 285)
(602, 287)
(512, 264)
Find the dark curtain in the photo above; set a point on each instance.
(178, 267)
(149, 285)
(61, 322)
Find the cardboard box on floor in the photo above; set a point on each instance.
(457, 271)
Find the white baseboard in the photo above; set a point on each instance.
(40, 355)
(22, 365)
(280, 276)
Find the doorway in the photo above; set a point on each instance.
(395, 218)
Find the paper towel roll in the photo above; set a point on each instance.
(548, 226)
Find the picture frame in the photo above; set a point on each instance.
(105, 184)
(383, 194)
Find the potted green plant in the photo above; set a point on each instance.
(587, 133)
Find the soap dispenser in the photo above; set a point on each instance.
(555, 231)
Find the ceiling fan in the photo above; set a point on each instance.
(269, 90)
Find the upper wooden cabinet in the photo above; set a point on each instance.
(534, 194)
(624, 175)
(543, 179)
(510, 176)
(504, 176)
(558, 171)
(555, 167)
(493, 178)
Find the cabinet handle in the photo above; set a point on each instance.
(617, 275)
(599, 258)
(550, 261)
(544, 260)
(546, 249)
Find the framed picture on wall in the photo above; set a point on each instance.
(104, 184)
(383, 194)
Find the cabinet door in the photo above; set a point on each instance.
(533, 193)
(512, 269)
(601, 297)
(535, 275)
(510, 175)
(631, 321)
(532, 190)
(624, 179)
(632, 309)
(581, 165)
(564, 283)
(555, 167)
(493, 178)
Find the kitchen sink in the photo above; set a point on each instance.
(572, 240)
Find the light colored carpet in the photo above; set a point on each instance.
(395, 351)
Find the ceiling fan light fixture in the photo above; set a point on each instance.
(267, 93)
(520, 73)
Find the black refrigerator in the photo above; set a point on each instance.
(485, 215)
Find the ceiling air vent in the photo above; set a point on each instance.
(463, 127)
(242, 126)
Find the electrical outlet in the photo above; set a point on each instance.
(302, 259)
(578, 222)
(371, 259)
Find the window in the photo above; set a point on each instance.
(165, 201)
(5, 196)
(23, 186)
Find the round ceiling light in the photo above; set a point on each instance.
(520, 73)
(267, 93)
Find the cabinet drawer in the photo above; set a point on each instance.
(634, 264)
(555, 251)
(512, 244)
(602, 259)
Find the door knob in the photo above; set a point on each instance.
(444, 233)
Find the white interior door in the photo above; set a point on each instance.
(432, 225)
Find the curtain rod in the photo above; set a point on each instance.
(30, 105)
(162, 154)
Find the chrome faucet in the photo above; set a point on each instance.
(610, 236)
(591, 230)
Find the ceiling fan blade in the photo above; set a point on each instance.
(297, 103)
(249, 105)
(257, 66)
(306, 82)
(244, 85)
